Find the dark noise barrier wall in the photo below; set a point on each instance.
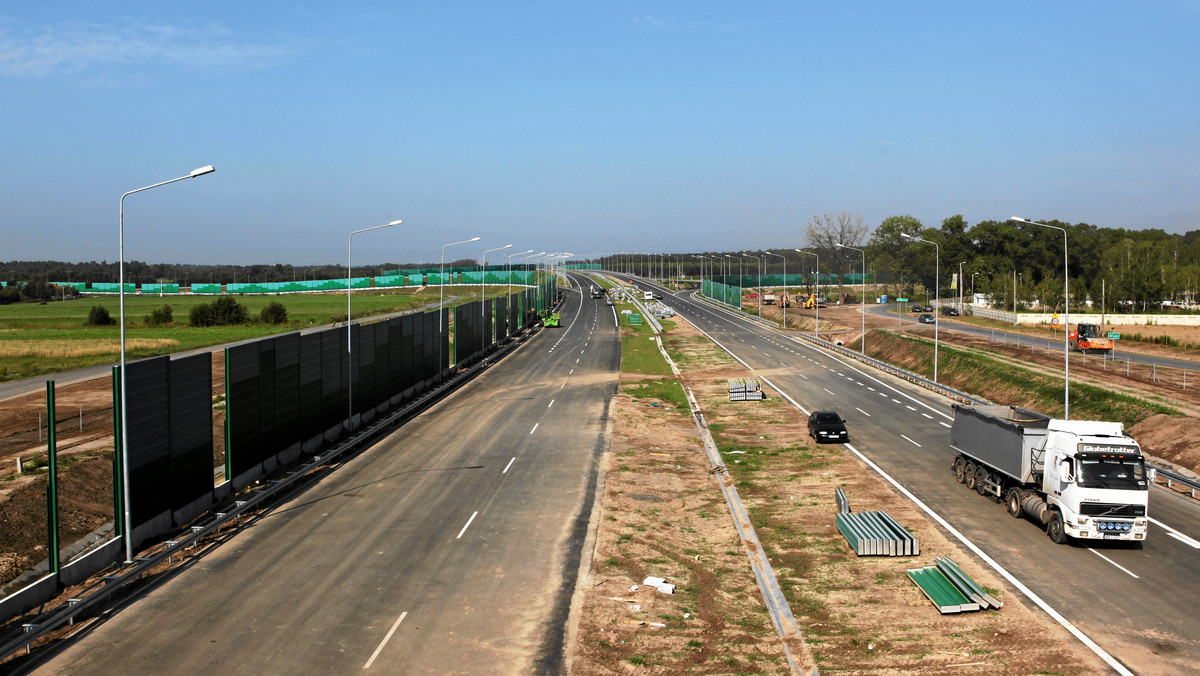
(290, 394)
(284, 395)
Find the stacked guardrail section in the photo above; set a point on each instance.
(950, 589)
(873, 533)
(745, 389)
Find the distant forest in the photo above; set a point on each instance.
(185, 274)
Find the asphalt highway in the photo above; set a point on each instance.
(1132, 602)
(450, 547)
(1040, 343)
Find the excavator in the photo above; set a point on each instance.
(1087, 338)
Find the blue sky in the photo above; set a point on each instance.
(582, 127)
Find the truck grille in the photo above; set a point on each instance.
(1098, 508)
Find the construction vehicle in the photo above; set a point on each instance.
(786, 300)
(768, 298)
(550, 319)
(1082, 479)
(1087, 338)
(849, 299)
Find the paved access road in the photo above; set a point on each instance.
(450, 547)
(1040, 343)
(1135, 603)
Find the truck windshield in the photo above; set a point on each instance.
(1112, 472)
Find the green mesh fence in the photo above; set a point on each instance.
(155, 288)
(416, 279)
(206, 288)
(111, 287)
(389, 280)
(475, 277)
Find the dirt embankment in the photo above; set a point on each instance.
(663, 514)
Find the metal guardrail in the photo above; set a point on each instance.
(1172, 477)
(72, 609)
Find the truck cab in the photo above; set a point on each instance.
(1097, 480)
(1087, 338)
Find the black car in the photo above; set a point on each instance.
(927, 308)
(948, 311)
(916, 307)
(827, 426)
(926, 318)
(657, 296)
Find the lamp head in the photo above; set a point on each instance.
(905, 235)
(1019, 219)
(202, 171)
(396, 222)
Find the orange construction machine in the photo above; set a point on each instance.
(1087, 337)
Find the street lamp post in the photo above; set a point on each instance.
(816, 290)
(862, 341)
(483, 290)
(1067, 317)
(510, 257)
(937, 295)
(781, 303)
(760, 290)
(124, 454)
(441, 301)
(350, 322)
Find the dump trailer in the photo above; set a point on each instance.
(768, 298)
(1082, 479)
(1087, 338)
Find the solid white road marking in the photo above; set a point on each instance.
(460, 533)
(510, 462)
(1176, 534)
(385, 640)
(1123, 568)
(862, 411)
(910, 441)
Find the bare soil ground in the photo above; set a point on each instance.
(663, 515)
(84, 412)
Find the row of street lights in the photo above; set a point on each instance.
(124, 452)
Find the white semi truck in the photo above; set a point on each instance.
(1082, 479)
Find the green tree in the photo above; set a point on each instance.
(98, 316)
(274, 313)
(160, 317)
(224, 311)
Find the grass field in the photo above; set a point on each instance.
(37, 339)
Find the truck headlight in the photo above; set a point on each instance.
(1082, 520)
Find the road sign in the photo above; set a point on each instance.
(1054, 320)
(902, 300)
(1114, 336)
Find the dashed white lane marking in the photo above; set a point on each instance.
(895, 400)
(550, 404)
(782, 364)
(862, 411)
(1176, 534)
(828, 391)
(943, 424)
(386, 638)
(927, 415)
(870, 388)
(510, 462)
(911, 408)
(1119, 566)
(884, 394)
(534, 428)
(571, 371)
(910, 441)
(563, 385)
(576, 361)
(464, 528)
(802, 376)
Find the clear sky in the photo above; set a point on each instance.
(582, 127)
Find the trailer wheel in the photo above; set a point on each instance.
(960, 471)
(1056, 530)
(1014, 503)
(981, 479)
(970, 479)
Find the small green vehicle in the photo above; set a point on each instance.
(549, 319)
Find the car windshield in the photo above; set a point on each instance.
(828, 418)
(1112, 472)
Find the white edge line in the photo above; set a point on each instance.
(510, 462)
(385, 640)
(1178, 535)
(468, 523)
(550, 404)
(1029, 593)
(1123, 568)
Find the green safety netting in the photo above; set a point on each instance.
(206, 288)
(389, 280)
(165, 288)
(416, 280)
(474, 277)
(111, 287)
